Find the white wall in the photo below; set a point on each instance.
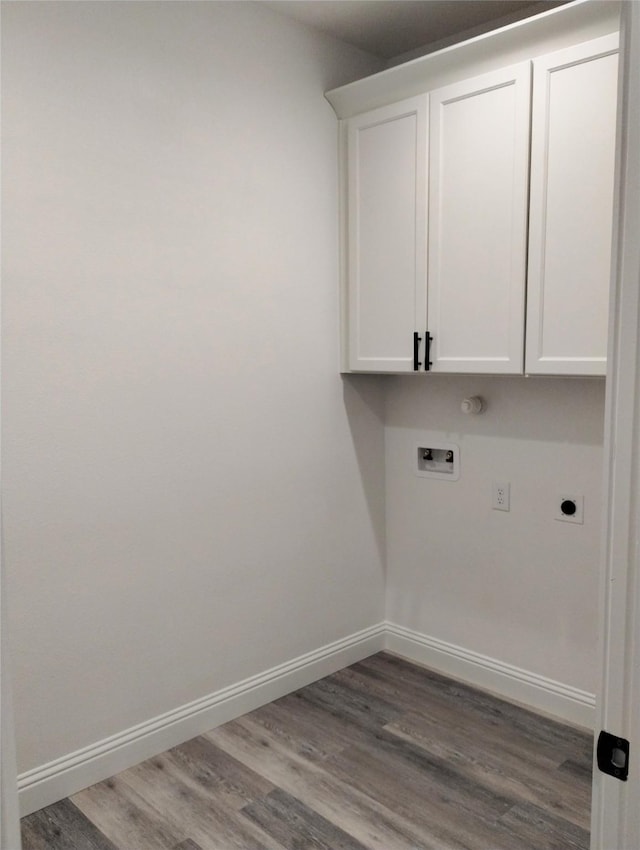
(192, 493)
(519, 587)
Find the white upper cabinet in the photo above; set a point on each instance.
(572, 181)
(478, 193)
(478, 211)
(386, 223)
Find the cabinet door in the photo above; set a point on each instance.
(386, 161)
(572, 179)
(479, 146)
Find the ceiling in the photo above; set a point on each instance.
(390, 28)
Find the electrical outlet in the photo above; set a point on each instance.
(570, 509)
(500, 500)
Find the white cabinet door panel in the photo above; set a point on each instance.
(387, 162)
(479, 147)
(572, 180)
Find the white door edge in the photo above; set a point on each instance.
(9, 811)
(615, 823)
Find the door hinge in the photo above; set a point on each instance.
(612, 755)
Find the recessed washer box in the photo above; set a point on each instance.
(434, 459)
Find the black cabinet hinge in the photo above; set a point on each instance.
(612, 754)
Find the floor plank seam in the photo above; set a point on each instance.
(383, 755)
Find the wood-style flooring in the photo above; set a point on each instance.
(383, 755)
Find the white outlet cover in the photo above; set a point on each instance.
(505, 505)
(578, 517)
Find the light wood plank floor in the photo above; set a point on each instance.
(383, 755)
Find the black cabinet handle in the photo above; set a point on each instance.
(428, 339)
(416, 350)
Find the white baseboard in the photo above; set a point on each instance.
(67, 775)
(71, 773)
(529, 689)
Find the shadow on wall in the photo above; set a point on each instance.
(364, 404)
(545, 409)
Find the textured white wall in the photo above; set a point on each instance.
(519, 586)
(192, 493)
